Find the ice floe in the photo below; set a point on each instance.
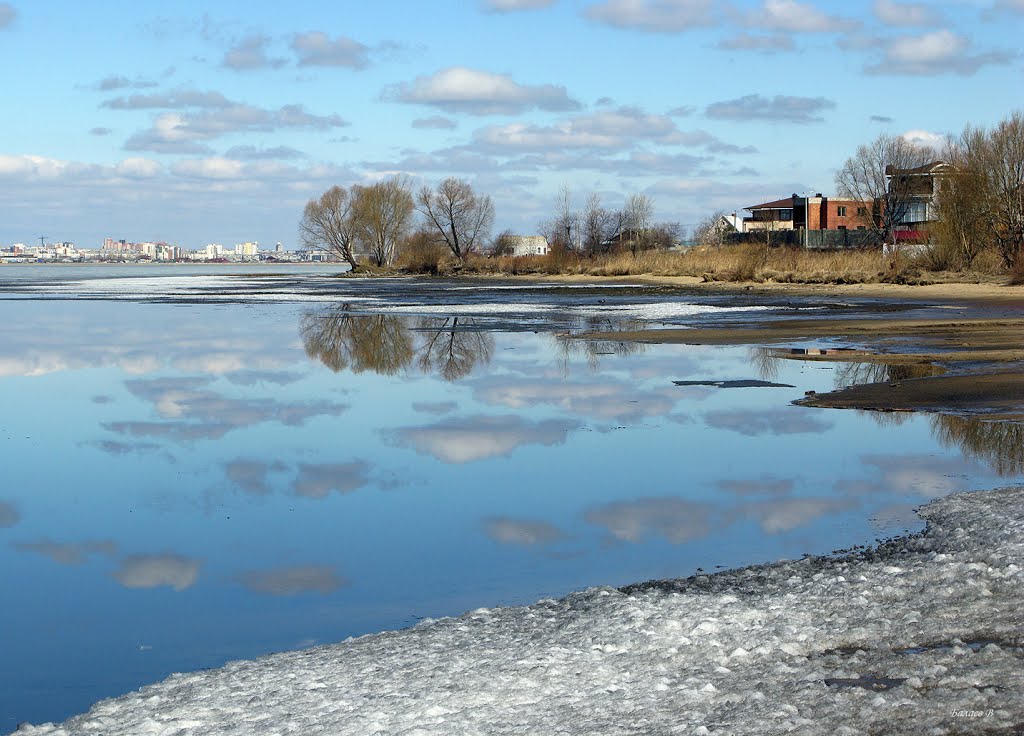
(920, 635)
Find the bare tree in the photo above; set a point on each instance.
(597, 222)
(1005, 171)
(711, 230)
(504, 244)
(964, 227)
(462, 218)
(383, 215)
(637, 214)
(873, 175)
(563, 229)
(327, 224)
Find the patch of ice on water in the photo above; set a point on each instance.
(652, 312)
(921, 636)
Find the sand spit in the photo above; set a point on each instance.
(922, 635)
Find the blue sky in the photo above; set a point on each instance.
(198, 122)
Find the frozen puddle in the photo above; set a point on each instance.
(922, 635)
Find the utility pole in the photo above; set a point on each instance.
(42, 241)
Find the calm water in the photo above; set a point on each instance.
(198, 467)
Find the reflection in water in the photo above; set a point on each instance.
(571, 346)
(999, 444)
(388, 343)
(858, 373)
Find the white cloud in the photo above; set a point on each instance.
(7, 15)
(895, 13)
(925, 138)
(764, 44)
(781, 108)
(789, 15)
(935, 52)
(251, 53)
(317, 481)
(460, 89)
(316, 48)
(509, 6)
(657, 16)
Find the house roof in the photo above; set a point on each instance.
(930, 168)
(778, 204)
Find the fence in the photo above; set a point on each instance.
(810, 239)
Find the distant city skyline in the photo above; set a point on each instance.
(214, 123)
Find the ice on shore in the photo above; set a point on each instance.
(922, 635)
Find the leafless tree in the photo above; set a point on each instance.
(383, 214)
(453, 350)
(866, 177)
(460, 216)
(1004, 167)
(597, 224)
(563, 229)
(504, 244)
(328, 224)
(710, 230)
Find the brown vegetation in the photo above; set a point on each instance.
(740, 263)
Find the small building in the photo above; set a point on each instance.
(529, 245)
(917, 189)
(773, 216)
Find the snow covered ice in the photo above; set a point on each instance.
(922, 635)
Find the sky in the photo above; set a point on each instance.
(198, 122)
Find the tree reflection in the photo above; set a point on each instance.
(388, 344)
(999, 444)
(863, 372)
(451, 350)
(569, 344)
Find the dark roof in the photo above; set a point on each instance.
(931, 168)
(778, 204)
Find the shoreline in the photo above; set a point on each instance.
(920, 634)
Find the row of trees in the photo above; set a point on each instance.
(980, 204)
(597, 229)
(374, 219)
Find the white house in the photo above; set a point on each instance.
(529, 245)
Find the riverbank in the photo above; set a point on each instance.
(919, 635)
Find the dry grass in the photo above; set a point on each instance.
(739, 263)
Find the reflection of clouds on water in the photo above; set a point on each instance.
(114, 447)
(766, 485)
(753, 422)
(317, 481)
(9, 516)
(199, 413)
(69, 553)
(251, 475)
(435, 407)
(526, 532)
(677, 520)
(928, 476)
(157, 571)
(603, 400)
(293, 580)
(101, 399)
(467, 439)
(785, 515)
(253, 377)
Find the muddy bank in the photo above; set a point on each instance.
(963, 366)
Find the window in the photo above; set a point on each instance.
(841, 227)
(841, 211)
(862, 212)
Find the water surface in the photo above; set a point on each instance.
(204, 467)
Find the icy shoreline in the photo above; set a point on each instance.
(924, 634)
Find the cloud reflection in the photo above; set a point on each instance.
(778, 516)
(9, 516)
(766, 485)
(251, 475)
(524, 532)
(467, 439)
(676, 519)
(753, 422)
(69, 553)
(317, 481)
(157, 571)
(293, 580)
